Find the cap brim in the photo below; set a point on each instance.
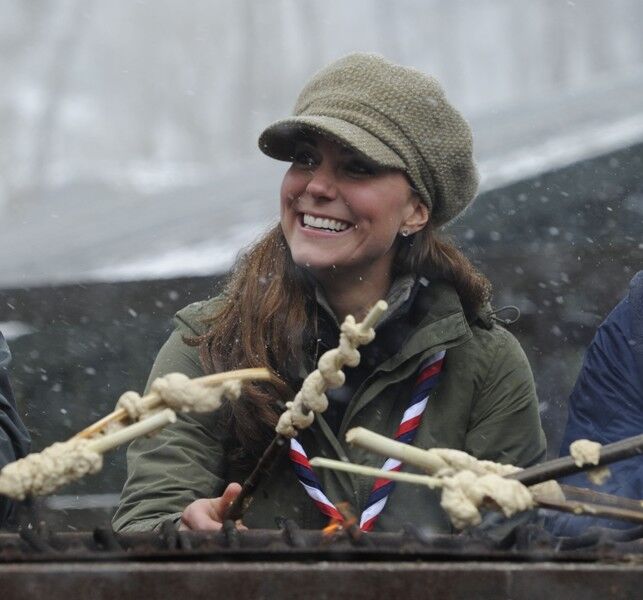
(278, 140)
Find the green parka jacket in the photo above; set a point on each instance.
(485, 404)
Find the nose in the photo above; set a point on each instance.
(322, 184)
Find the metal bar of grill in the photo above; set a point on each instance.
(290, 543)
(342, 580)
(293, 563)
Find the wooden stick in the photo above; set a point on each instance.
(530, 476)
(578, 494)
(559, 467)
(340, 465)
(127, 434)
(254, 374)
(239, 505)
(152, 399)
(373, 315)
(380, 444)
(595, 510)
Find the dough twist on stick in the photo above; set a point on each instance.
(43, 472)
(445, 463)
(465, 481)
(178, 392)
(435, 461)
(310, 399)
(63, 462)
(462, 492)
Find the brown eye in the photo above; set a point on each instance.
(358, 167)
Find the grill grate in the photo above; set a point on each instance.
(292, 563)
(290, 543)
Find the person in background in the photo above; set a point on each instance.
(606, 405)
(14, 438)
(379, 161)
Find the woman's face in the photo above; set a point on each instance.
(342, 213)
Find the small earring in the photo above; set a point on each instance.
(405, 232)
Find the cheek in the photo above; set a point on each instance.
(283, 204)
(285, 194)
(288, 195)
(293, 186)
(383, 212)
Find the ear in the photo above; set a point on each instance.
(418, 219)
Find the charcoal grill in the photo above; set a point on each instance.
(293, 563)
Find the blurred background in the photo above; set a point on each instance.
(130, 177)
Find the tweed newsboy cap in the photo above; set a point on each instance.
(396, 116)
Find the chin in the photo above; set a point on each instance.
(313, 263)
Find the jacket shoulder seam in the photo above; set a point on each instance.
(502, 340)
(192, 316)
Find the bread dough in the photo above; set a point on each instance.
(311, 399)
(599, 475)
(585, 452)
(43, 472)
(180, 393)
(463, 493)
(459, 460)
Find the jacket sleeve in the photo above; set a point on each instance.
(14, 438)
(504, 425)
(181, 463)
(606, 404)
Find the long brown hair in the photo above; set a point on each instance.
(264, 320)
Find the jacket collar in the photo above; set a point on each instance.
(441, 324)
(400, 292)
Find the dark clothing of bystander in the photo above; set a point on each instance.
(14, 438)
(606, 404)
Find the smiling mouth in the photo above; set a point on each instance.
(324, 224)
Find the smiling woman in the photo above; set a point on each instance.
(379, 160)
(341, 215)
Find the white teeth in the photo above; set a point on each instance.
(319, 223)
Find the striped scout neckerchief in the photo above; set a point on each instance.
(427, 380)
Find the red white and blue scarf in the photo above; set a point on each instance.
(426, 381)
